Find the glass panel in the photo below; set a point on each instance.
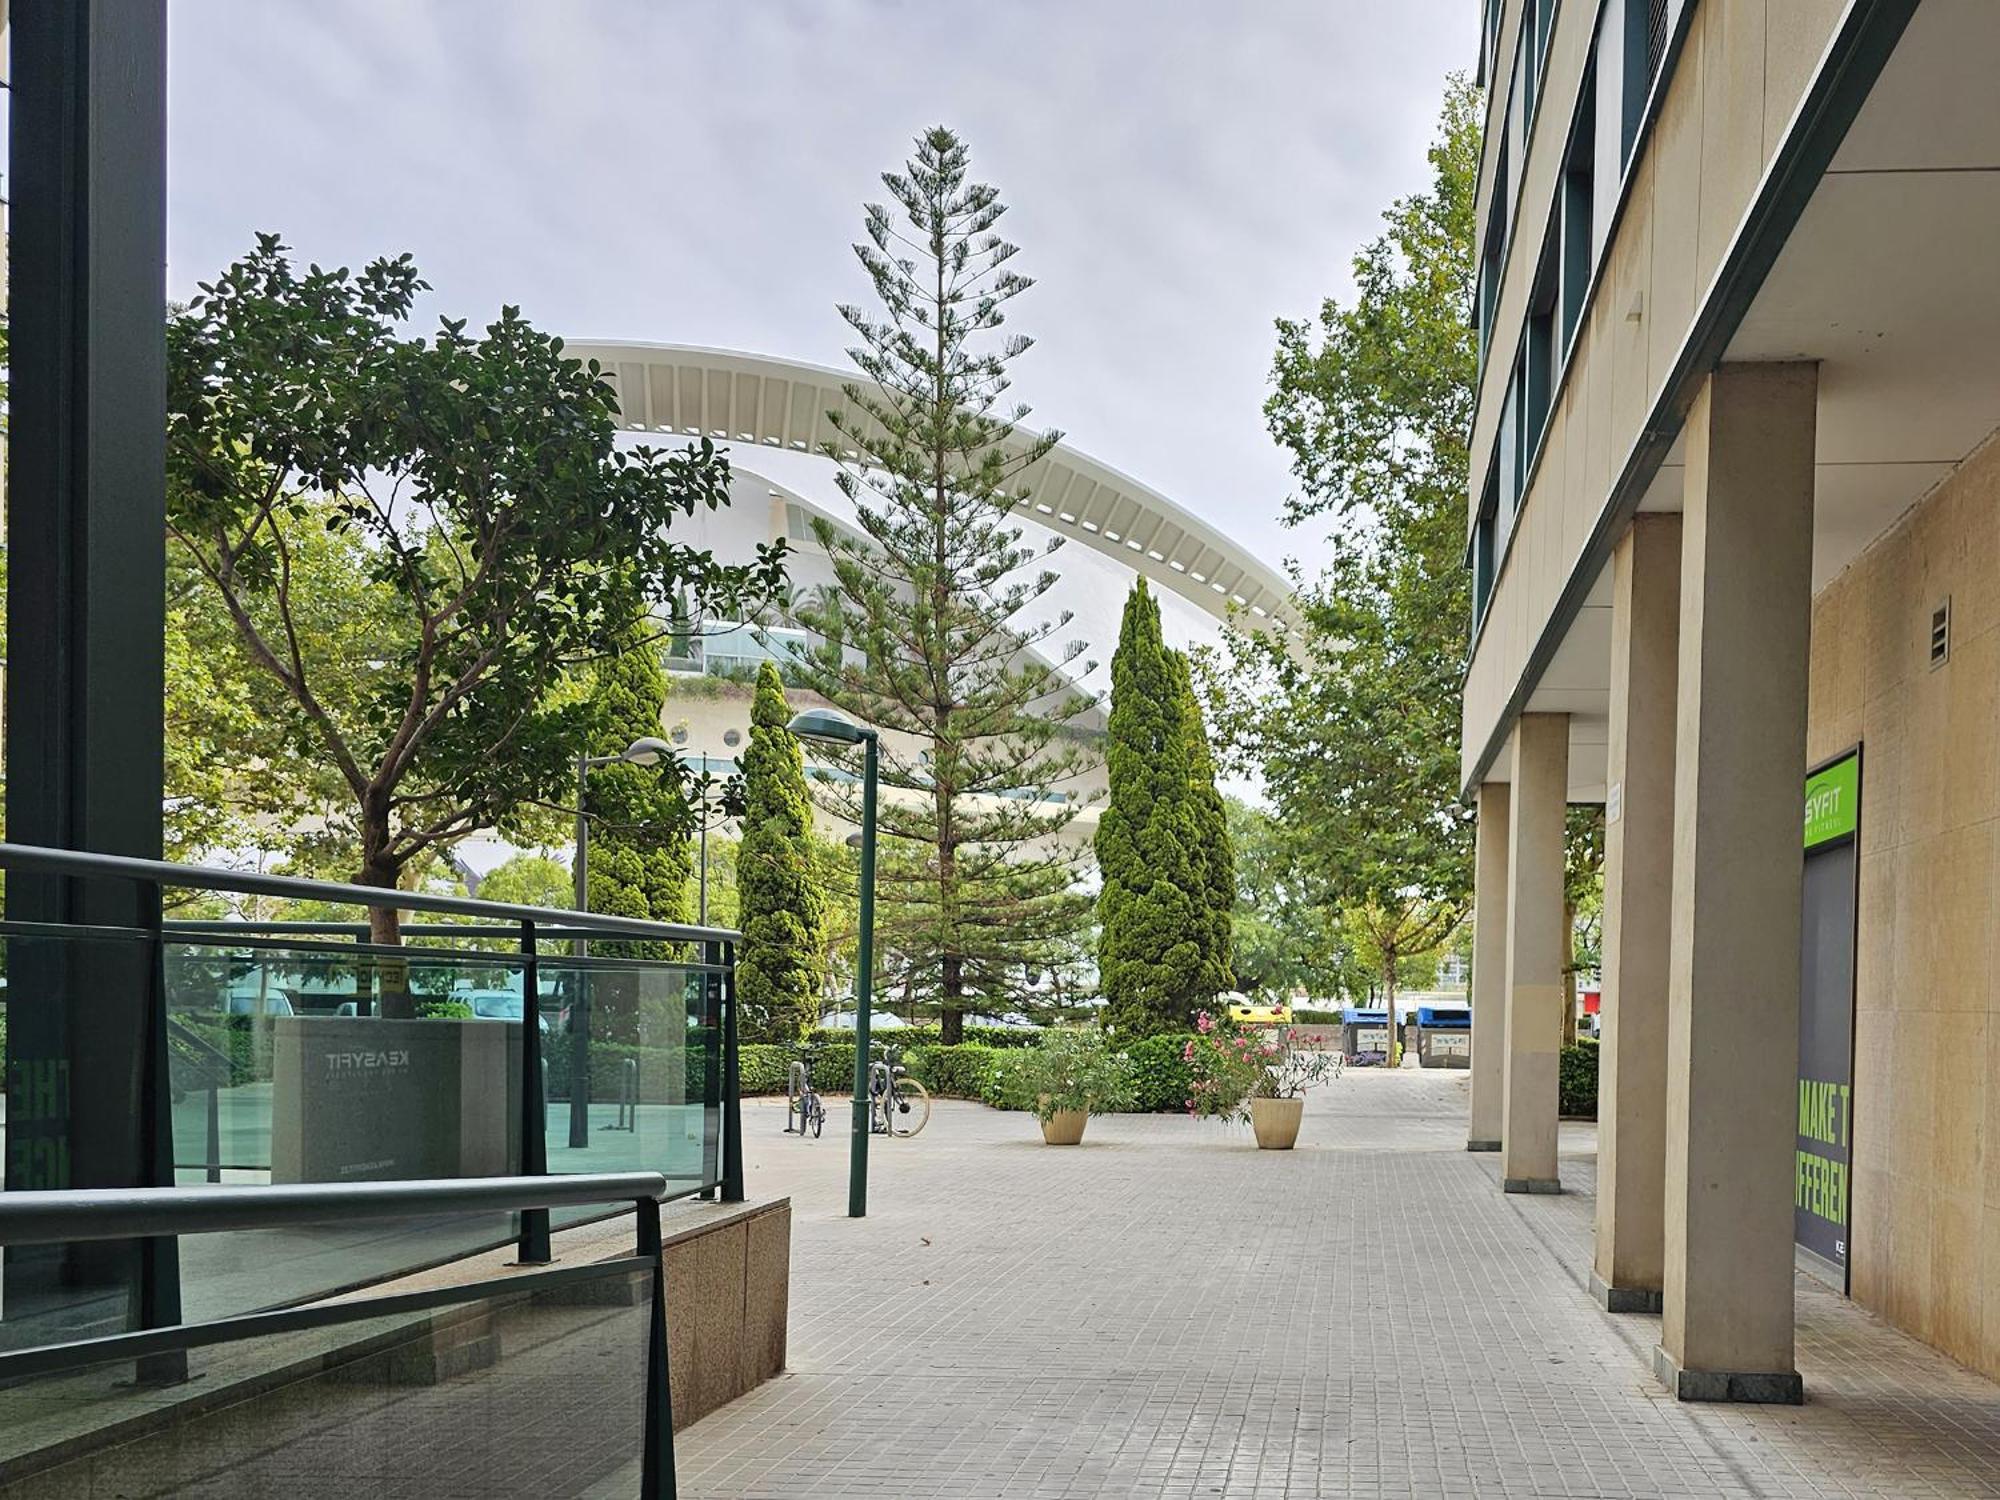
(284, 1068)
(651, 1064)
(74, 1034)
(538, 1392)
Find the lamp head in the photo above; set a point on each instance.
(646, 751)
(832, 728)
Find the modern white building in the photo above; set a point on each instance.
(770, 415)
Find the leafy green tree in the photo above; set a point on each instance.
(781, 965)
(474, 480)
(1282, 939)
(930, 634)
(641, 859)
(528, 880)
(1157, 935)
(1353, 723)
(1583, 903)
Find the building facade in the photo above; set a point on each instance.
(1734, 528)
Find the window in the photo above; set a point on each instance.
(1640, 64)
(732, 738)
(1483, 535)
(1492, 250)
(1539, 355)
(1578, 210)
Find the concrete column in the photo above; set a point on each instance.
(1536, 949)
(1733, 991)
(1638, 894)
(1489, 969)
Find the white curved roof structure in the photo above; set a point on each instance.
(745, 399)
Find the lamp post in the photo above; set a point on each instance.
(828, 727)
(707, 784)
(644, 751)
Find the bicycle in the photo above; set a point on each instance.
(802, 1101)
(897, 1103)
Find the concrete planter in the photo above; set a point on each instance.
(1065, 1127)
(1276, 1122)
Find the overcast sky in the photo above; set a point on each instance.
(1179, 175)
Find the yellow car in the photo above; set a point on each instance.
(1247, 1012)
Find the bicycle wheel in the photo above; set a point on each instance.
(818, 1115)
(909, 1107)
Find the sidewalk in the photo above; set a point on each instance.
(1166, 1311)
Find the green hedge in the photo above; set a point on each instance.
(971, 1070)
(1163, 1078)
(1577, 1074)
(1318, 1017)
(911, 1037)
(968, 1071)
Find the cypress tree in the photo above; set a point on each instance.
(931, 630)
(641, 859)
(1156, 960)
(1215, 857)
(781, 965)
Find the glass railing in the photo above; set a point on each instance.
(547, 1383)
(242, 1054)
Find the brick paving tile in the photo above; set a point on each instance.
(1165, 1311)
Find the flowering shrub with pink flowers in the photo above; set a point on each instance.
(1231, 1066)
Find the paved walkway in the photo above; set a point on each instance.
(1167, 1311)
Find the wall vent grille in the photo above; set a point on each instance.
(1941, 632)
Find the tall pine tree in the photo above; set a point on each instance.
(781, 965)
(640, 853)
(1163, 944)
(930, 629)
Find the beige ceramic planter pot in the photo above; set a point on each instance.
(1065, 1127)
(1276, 1122)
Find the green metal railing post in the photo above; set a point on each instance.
(732, 1084)
(534, 1248)
(864, 989)
(656, 1470)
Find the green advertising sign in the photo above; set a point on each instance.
(1833, 801)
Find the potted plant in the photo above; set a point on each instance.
(1260, 1077)
(1071, 1076)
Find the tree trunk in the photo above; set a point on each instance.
(1395, 1054)
(1569, 973)
(385, 929)
(951, 1017)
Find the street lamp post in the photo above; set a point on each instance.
(831, 728)
(644, 751)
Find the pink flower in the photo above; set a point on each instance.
(1203, 1022)
(1187, 1053)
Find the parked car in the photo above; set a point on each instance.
(497, 1005)
(1246, 1011)
(250, 1004)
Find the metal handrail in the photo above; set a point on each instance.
(75, 1214)
(253, 883)
(209, 927)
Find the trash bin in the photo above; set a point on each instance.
(1364, 1036)
(1444, 1036)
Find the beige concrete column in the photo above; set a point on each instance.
(1733, 990)
(1638, 895)
(1489, 968)
(1536, 948)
